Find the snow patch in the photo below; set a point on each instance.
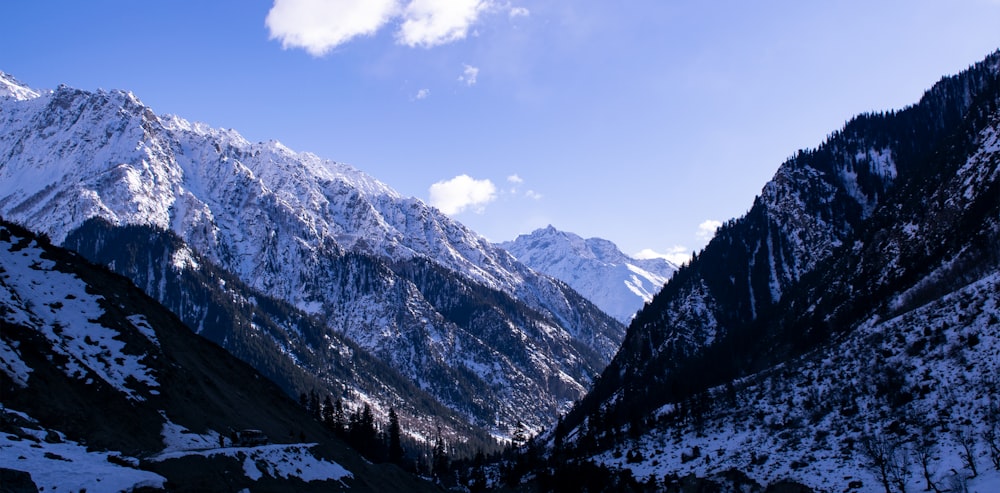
(12, 364)
(282, 461)
(142, 325)
(70, 466)
(183, 258)
(57, 305)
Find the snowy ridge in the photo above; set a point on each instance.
(596, 268)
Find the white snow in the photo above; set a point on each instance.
(12, 88)
(142, 325)
(177, 438)
(12, 364)
(57, 305)
(69, 466)
(795, 421)
(183, 258)
(276, 461)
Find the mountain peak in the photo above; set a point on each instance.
(617, 283)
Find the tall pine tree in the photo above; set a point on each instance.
(395, 446)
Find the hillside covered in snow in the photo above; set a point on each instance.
(105, 390)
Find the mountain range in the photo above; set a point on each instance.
(842, 335)
(347, 257)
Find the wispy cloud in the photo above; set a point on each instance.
(680, 254)
(469, 75)
(706, 230)
(515, 182)
(422, 94)
(462, 192)
(676, 255)
(519, 12)
(319, 26)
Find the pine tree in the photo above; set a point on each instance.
(339, 418)
(328, 412)
(314, 404)
(520, 436)
(395, 446)
(440, 456)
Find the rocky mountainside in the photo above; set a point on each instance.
(842, 329)
(103, 389)
(594, 267)
(480, 332)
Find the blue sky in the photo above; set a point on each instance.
(642, 121)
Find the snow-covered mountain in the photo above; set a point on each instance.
(479, 331)
(103, 389)
(594, 267)
(844, 334)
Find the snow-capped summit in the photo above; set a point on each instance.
(617, 283)
(15, 89)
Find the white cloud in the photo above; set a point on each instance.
(519, 12)
(706, 230)
(462, 192)
(320, 25)
(676, 255)
(422, 94)
(516, 181)
(469, 75)
(430, 23)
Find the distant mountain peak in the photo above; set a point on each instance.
(13, 88)
(617, 283)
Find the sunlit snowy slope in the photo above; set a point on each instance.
(479, 331)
